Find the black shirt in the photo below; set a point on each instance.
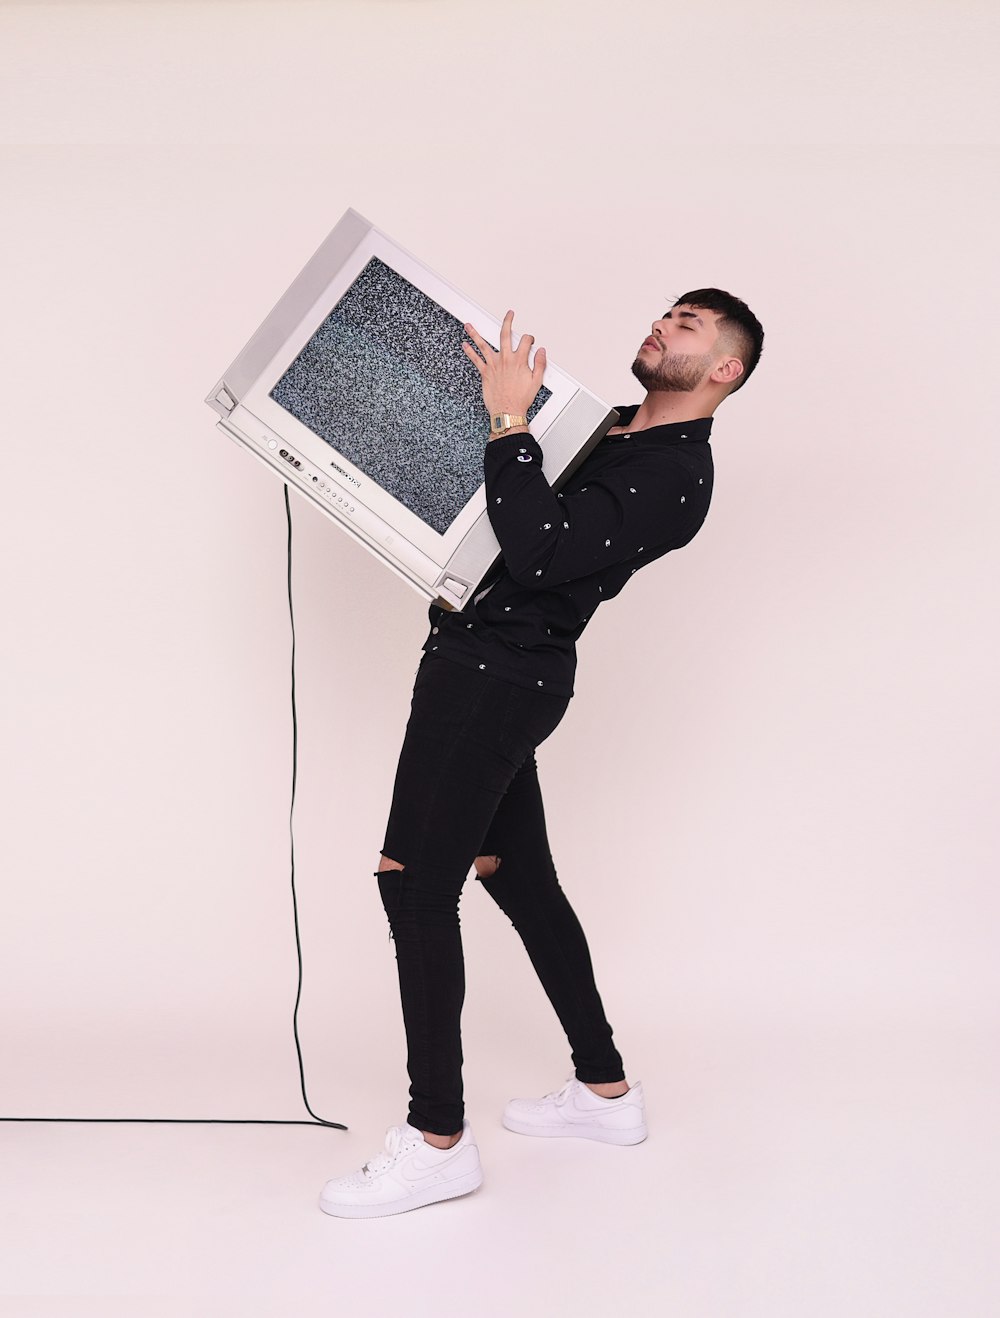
(635, 497)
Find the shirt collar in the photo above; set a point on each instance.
(675, 432)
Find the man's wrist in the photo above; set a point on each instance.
(514, 430)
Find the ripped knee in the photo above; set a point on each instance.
(386, 864)
(487, 866)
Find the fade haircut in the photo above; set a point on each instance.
(740, 332)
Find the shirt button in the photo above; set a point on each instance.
(540, 682)
(482, 665)
(435, 630)
(468, 624)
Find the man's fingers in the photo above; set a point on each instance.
(508, 320)
(474, 357)
(480, 343)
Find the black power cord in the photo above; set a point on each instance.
(249, 1121)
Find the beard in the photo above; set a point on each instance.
(671, 372)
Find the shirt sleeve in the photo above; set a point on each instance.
(548, 539)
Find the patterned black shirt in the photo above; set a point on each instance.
(634, 498)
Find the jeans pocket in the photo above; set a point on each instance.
(529, 718)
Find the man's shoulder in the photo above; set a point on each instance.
(663, 462)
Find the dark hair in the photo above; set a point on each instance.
(740, 332)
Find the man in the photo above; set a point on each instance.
(494, 682)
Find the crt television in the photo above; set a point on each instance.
(356, 392)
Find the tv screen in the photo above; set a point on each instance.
(422, 429)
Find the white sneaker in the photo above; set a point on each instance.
(409, 1174)
(577, 1111)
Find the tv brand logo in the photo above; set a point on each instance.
(353, 479)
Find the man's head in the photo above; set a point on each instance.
(706, 345)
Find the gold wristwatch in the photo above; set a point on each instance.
(503, 421)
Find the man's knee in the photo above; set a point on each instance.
(386, 864)
(487, 866)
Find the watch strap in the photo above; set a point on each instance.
(501, 421)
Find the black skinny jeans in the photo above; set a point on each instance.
(467, 785)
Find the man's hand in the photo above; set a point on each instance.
(509, 383)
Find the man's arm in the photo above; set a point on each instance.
(621, 512)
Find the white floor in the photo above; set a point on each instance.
(836, 1174)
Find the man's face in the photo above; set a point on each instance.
(679, 353)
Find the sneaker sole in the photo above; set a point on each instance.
(634, 1136)
(432, 1195)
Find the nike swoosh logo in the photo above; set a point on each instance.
(417, 1171)
(580, 1114)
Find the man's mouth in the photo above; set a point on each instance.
(651, 343)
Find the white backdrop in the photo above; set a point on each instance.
(771, 800)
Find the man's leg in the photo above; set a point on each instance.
(517, 871)
(440, 1142)
(424, 923)
(466, 736)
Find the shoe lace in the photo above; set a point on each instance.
(561, 1093)
(397, 1141)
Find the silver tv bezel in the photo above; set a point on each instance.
(446, 568)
